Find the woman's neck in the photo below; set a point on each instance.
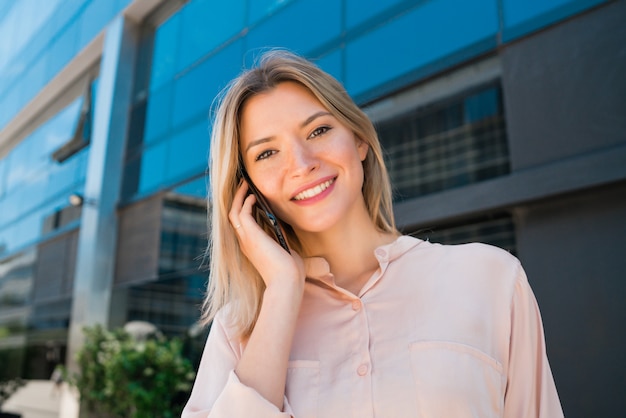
(349, 250)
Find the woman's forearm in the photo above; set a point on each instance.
(263, 365)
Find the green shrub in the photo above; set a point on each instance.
(123, 377)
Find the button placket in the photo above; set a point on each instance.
(362, 368)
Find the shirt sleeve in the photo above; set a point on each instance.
(531, 391)
(217, 391)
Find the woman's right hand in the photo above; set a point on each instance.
(274, 264)
(263, 364)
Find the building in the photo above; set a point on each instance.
(503, 121)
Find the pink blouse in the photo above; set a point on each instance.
(437, 331)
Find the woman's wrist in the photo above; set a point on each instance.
(279, 290)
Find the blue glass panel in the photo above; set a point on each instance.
(5, 7)
(261, 8)
(63, 48)
(332, 63)
(9, 236)
(301, 26)
(188, 152)
(153, 163)
(34, 78)
(481, 105)
(207, 24)
(3, 176)
(81, 165)
(429, 33)
(358, 11)
(19, 170)
(195, 91)
(61, 177)
(28, 229)
(516, 12)
(10, 208)
(58, 130)
(12, 101)
(159, 113)
(40, 159)
(93, 18)
(17, 196)
(6, 111)
(121, 4)
(197, 188)
(63, 15)
(39, 44)
(523, 17)
(166, 41)
(35, 192)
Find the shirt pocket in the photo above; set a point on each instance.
(456, 380)
(302, 387)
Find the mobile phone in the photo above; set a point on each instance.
(265, 208)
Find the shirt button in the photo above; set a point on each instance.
(381, 253)
(356, 305)
(362, 370)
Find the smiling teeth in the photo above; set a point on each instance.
(314, 191)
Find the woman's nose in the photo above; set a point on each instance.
(303, 160)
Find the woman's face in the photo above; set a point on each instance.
(301, 158)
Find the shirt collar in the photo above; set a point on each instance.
(389, 252)
(317, 268)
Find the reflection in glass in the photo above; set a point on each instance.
(33, 181)
(498, 230)
(152, 169)
(170, 304)
(188, 152)
(16, 281)
(447, 145)
(183, 233)
(161, 278)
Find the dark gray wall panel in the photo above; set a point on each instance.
(139, 238)
(574, 251)
(565, 88)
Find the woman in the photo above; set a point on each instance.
(355, 319)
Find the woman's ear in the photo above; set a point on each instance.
(362, 147)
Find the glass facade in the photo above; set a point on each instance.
(39, 39)
(187, 52)
(184, 61)
(16, 283)
(446, 145)
(35, 187)
(498, 230)
(38, 240)
(164, 278)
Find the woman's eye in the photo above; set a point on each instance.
(319, 131)
(264, 155)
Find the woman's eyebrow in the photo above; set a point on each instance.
(258, 142)
(313, 117)
(302, 125)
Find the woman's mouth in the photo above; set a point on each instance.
(314, 191)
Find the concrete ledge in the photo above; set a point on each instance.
(36, 399)
(532, 184)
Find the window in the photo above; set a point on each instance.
(447, 144)
(82, 130)
(498, 230)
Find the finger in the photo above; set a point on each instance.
(240, 194)
(248, 204)
(235, 209)
(245, 215)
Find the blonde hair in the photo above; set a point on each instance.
(233, 280)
